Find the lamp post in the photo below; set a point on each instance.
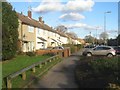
(105, 22)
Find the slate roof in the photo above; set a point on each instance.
(32, 22)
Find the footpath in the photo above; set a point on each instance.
(61, 75)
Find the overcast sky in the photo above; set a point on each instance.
(79, 16)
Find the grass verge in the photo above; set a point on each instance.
(18, 63)
(19, 83)
(94, 72)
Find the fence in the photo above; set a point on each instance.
(23, 71)
(60, 54)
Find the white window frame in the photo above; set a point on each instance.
(31, 29)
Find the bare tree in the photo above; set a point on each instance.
(72, 34)
(104, 35)
(89, 39)
(61, 28)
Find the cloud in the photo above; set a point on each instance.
(29, 0)
(83, 26)
(48, 6)
(71, 6)
(72, 16)
(78, 6)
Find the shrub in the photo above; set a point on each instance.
(79, 46)
(97, 72)
(9, 31)
(49, 54)
(73, 48)
(30, 53)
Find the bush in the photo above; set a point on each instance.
(79, 46)
(30, 53)
(21, 53)
(94, 72)
(9, 31)
(73, 48)
(49, 54)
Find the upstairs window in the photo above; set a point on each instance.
(39, 31)
(30, 29)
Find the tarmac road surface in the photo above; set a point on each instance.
(61, 75)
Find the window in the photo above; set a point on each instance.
(102, 48)
(106, 48)
(30, 29)
(98, 48)
(43, 32)
(38, 31)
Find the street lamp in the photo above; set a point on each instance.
(105, 21)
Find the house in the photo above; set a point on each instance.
(63, 38)
(27, 32)
(35, 35)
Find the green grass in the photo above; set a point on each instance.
(17, 82)
(19, 62)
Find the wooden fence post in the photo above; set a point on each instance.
(24, 76)
(50, 60)
(9, 84)
(40, 66)
(33, 69)
(45, 63)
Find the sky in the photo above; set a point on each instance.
(79, 16)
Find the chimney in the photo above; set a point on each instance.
(40, 19)
(43, 22)
(29, 14)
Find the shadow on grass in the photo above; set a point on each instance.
(97, 77)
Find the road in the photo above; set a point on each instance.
(61, 75)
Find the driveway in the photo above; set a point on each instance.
(61, 75)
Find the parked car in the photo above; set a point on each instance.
(100, 50)
(117, 49)
(58, 47)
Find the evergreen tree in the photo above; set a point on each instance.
(9, 31)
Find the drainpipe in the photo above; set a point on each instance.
(21, 37)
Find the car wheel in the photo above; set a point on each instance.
(109, 55)
(89, 55)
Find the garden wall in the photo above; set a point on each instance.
(65, 52)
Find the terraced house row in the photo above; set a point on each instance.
(35, 35)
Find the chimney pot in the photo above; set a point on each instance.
(43, 22)
(40, 19)
(29, 14)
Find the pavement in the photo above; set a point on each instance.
(61, 75)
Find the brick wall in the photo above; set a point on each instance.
(65, 52)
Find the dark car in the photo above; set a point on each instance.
(90, 46)
(117, 49)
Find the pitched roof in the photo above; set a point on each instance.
(35, 23)
(29, 21)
